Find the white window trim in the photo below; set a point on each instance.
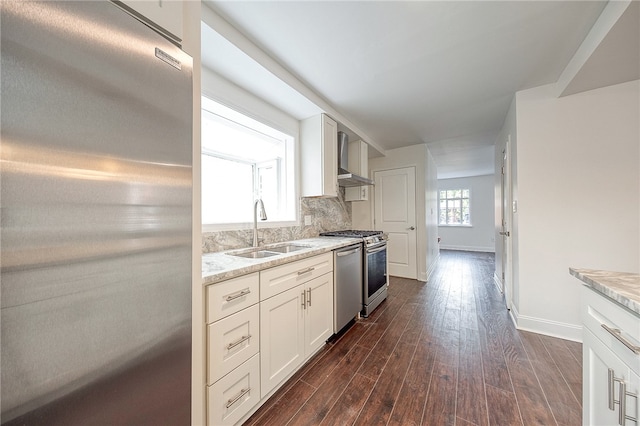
(456, 225)
(239, 226)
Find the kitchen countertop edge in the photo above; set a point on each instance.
(621, 287)
(221, 266)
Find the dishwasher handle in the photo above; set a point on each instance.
(348, 252)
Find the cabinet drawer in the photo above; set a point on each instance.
(231, 341)
(233, 396)
(284, 277)
(598, 310)
(228, 297)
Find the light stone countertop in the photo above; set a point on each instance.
(621, 287)
(221, 266)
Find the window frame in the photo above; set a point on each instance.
(447, 199)
(289, 167)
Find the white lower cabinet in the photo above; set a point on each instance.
(232, 341)
(282, 338)
(233, 344)
(611, 370)
(252, 348)
(295, 324)
(318, 320)
(230, 398)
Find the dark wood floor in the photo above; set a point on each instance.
(436, 353)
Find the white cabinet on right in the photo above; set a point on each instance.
(611, 362)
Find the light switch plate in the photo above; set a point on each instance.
(307, 220)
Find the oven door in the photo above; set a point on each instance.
(375, 279)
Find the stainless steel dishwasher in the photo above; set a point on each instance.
(347, 295)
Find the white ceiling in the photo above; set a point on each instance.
(441, 73)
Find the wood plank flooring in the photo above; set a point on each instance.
(438, 353)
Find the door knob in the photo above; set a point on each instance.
(412, 228)
(505, 233)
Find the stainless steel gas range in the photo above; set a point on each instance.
(375, 281)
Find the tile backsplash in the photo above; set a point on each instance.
(327, 214)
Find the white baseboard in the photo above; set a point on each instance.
(468, 248)
(547, 327)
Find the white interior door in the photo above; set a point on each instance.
(395, 214)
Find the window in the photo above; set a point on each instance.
(455, 207)
(243, 160)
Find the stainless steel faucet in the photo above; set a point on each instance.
(263, 216)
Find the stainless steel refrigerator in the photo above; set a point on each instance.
(96, 159)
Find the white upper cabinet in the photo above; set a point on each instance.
(359, 165)
(166, 14)
(319, 156)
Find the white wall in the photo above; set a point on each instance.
(426, 186)
(480, 235)
(578, 197)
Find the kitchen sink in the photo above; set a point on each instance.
(287, 248)
(254, 254)
(262, 252)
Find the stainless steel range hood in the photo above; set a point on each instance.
(345, 177)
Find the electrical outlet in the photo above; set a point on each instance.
(307, 220)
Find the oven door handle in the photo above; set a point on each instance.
(377, 249)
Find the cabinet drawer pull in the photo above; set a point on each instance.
(237, 342)
(616, 333)
(237, 398)
(230, 297)
(304, 271)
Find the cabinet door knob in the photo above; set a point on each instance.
(411, 228)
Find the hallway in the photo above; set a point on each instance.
(436, 353)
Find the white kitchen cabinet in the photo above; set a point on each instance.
(319, 156)
(318, 321)
(231, 341)
(282, 337)
(233, 396)
(295, 324)
(280, 278)
(165, 14)
(231, 296)
(610, 369)
(359, 165)
(261, 328)
(233, 345)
